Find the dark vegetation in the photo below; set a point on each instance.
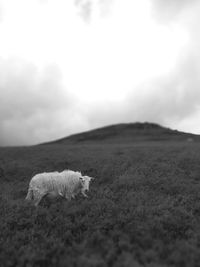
(127, 132)
(143, 207)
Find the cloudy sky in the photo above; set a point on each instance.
(70, 66)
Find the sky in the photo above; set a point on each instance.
(71, 66)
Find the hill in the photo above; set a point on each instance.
(126, 133)
(143, 207)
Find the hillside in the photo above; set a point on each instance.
(143, 207)
(126, 133)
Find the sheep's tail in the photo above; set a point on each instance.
(29, 194)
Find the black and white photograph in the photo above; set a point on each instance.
(99, 133)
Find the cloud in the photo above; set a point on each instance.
(1, 13)
(34, 105)
(43, 1)
(87, 8)
(162, 10)
(171, 100)
(124, 69)
(105, 7)
(169, 103)
(167, 11)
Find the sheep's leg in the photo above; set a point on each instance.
(29, 195)
(38, 197)
(68, 197)
(84, 194)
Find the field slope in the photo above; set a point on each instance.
(127, 133)
(143, 207)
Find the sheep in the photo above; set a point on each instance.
(66, 184)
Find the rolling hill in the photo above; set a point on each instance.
(143, 207)
(127, 133)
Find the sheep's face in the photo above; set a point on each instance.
(85, 183)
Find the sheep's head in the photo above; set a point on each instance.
(85, 183)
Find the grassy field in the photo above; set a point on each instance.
(143, 207)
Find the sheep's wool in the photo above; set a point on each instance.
(64, 183)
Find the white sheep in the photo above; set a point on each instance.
(66, 184)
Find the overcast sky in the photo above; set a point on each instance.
(70, 66)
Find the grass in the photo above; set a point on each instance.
(143, 207)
